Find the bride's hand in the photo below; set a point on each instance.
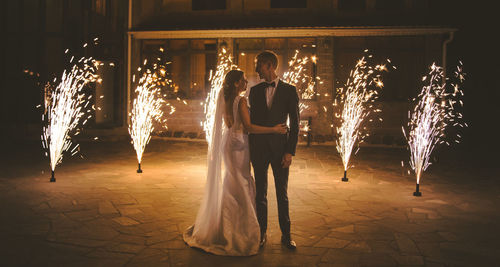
(280, 128)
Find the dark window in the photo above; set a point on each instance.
(389, 4)
(191, 62)
(421, 4)
(100, 7)
(288, 3)
(352, 5)
(209, 4)
(440, 6)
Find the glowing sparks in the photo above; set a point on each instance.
(65, 107)
(147, 106)
(361, 90)
(224, 65)
(297, 75)
(434, 112)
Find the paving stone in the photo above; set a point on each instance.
(361, 246)
(383, 247)
(373, 232)
(96, 231)
(101, 253)
(158, 237)
(61, 204)
(409, 260)
(430, 213)
(130, 239)
(129, 211)
(377, 259)
(341, 258)
(42, 207)
(406, 245)
(328, 242)
(106, 207)
(41, 228)
(449, 236)
(125, 248)
(417, 216)
(126, 221)
(84, 215)
(345, 229)
(83, 242)
(100, 212)
(430, 250)
(433, 264)
(171, 244)
(436, 201)
(154, 260)
(427, 237)
(308, 251)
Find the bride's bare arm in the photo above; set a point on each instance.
(252, 128)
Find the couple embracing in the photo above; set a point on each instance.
(232, 219)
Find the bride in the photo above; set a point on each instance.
(226, 223)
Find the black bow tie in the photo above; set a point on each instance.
(271, 84)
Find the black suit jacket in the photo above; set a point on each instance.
(285, 104)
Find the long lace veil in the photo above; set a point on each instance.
(207, 223)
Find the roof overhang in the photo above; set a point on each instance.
(290, 32)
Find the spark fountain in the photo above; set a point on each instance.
(305, 84)
(147, 106)
(361, 90)
(65, 107)
(225, 64)
(434, 112)
(297, 76)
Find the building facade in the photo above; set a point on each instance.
(193, 32)
(335, 31)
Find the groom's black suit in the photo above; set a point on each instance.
(268, 149)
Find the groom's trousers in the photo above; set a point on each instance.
(260, 167)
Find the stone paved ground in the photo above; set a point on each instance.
(100, 212)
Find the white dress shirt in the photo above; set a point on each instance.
(270, 90)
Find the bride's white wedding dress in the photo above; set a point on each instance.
(226, 223)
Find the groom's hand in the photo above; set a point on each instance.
(286, 161)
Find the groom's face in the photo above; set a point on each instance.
(263, 69)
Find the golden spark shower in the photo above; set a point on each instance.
(297, 76)
(148, 104)
(66, 106)
(434, 112)
(357, 103)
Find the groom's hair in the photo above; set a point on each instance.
(268, 57)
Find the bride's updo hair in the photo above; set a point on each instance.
(228, 88)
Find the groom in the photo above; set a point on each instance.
(271, 103)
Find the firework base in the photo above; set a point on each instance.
(417, 193)
(139, 169)
(52, 179)
(345, 179)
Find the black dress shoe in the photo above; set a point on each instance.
(288, 242)
(263, 239)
